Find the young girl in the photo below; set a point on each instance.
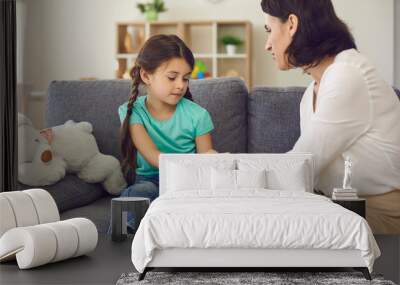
(166, 120)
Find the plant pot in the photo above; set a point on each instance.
(151, 15)
(230, 49)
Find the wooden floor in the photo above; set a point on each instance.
(389, 262)
(102, 266)
(110, 259)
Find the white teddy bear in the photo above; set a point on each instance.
(77, 147)
(37, 166)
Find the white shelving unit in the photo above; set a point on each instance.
(202, 37)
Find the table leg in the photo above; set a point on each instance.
(117, 222)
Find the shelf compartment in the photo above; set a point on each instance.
(198, 37)
(208, 62)
(130, 37)
(231, 67)
(121, 68)
(163, 28)
(232, 29)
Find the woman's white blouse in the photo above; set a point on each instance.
(357, 115)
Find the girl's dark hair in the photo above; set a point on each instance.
(157, 50)
(320, 32)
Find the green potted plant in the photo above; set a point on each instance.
(230, 43)
(152, 9)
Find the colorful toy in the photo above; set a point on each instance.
(200, 70)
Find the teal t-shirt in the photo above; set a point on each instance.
(175, 135)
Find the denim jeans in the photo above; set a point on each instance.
(145, 186)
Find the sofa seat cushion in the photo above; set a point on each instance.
(71, 192)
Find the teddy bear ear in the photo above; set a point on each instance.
(85, 126)
(23, 120)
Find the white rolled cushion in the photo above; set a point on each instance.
(66, 237)
(7, 218)
(26, 208)
(188, 175)
(40, 244)
(282, 174)
(45, 205)
(32, 246)
(87, 233)
(223, 179)
(251, 178)
(23, 208)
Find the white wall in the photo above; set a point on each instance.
(68, 39)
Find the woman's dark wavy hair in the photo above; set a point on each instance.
(320, 33)
(157, 50)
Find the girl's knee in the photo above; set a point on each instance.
(141, 189)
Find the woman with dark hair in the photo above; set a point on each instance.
(347, 111)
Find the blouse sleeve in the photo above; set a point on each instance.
(342, 116)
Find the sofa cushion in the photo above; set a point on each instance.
(273, 119)
(226, 100)
(71, 192)
(93, 101)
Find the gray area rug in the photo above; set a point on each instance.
(243, 278)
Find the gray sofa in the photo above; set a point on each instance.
(266, 120)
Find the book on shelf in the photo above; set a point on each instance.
(344, 194)
(344, 198)
(341, 190)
